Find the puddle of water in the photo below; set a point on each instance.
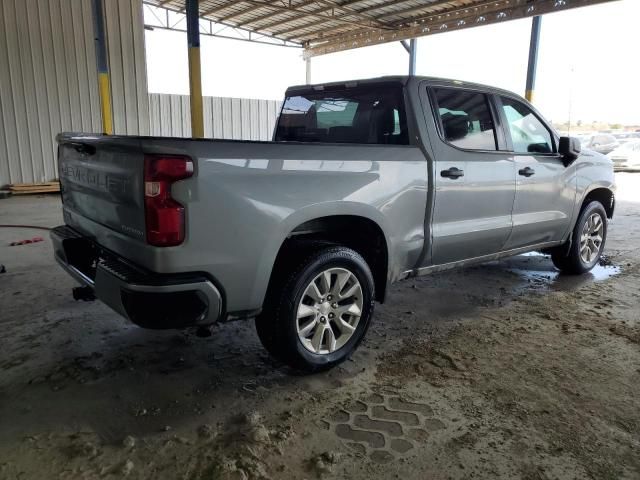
(538, 270)
(602, 272)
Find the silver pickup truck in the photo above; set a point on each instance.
(365, 183)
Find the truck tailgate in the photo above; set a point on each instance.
(102, 180)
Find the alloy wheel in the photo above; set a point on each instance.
(591, 238)
(329, 311)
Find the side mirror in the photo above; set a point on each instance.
(569, 148)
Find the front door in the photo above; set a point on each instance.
(545, 188)
(474, 179)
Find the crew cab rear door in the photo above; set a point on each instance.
(545, 188)
(474, 176)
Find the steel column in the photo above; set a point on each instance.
(533, 57)
(413, 47)
(195, 75)
(104, 83)
(307, 64)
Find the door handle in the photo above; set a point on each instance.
(83, 148)
(526, 172)
(453, 173)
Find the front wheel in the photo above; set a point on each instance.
(587, 241)
(319, 310)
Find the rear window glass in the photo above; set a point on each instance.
(466, 119)
(373, 115)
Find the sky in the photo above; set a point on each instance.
(588, 63)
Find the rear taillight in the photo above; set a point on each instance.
(164, 216)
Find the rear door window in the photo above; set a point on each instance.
(466, 119)
(528, 133)
(367, 114)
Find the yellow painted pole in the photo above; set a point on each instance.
(104, 84)
(195, 72)
(195, 91)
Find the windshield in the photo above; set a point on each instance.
(373, 115)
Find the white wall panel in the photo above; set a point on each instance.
(228, 118)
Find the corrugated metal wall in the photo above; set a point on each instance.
(229, 118)
(127, 65)
(48, 84)
(48, 81)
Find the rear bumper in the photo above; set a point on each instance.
(148, 299)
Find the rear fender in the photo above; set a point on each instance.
(312, 212)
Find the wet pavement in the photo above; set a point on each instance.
(503, 370)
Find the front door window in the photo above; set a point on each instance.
(528, 133)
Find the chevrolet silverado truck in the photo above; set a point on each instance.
(364, 183)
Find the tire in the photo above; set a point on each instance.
(574, 262)
(305, 342)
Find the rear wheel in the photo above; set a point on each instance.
(318, 309)
(587, 242)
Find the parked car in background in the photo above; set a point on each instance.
(626, 157)
(601, 143)
(625, 137)
(366, 183)
(584, 139)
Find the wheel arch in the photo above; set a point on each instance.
(601, 193)
(357, 231)
(604, 195)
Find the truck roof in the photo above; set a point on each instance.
(402, 79)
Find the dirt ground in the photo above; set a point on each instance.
(506, 370)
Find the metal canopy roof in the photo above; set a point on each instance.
(326, 26)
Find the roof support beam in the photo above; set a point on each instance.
(326, 26)
(209, 27)
(484, 6)
(219, 8)
(195, 74)
(356, 13)
(392, 26)
(364, 11)
(303, 13)
(430, 22)
(286, 33)
(497, 11)
(533, 57)
(431, 10)
(343, 6)
(429, 7)
(274, 14)
(243, 12)
(413, 48)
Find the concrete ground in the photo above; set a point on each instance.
(506, 370)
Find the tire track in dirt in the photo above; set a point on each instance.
(384, 427)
